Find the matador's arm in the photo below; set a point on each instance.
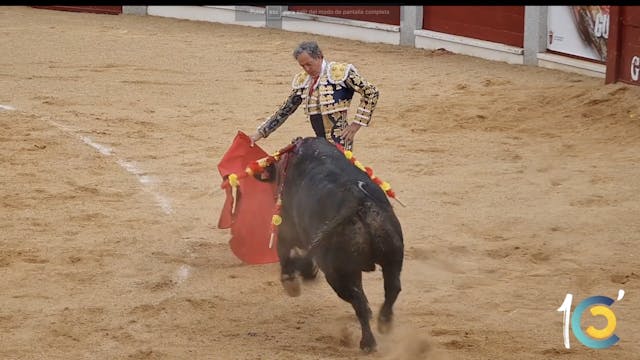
(278, 118)
(369, 96)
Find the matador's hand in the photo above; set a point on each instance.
(255, 137)
(350, 132)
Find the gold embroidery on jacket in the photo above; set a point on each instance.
(300, 80)
(338, 72)
(337, 76)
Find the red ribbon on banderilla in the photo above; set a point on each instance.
(385, 186)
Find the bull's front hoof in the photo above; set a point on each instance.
(384, 324)
(291, 285)
(368, 346)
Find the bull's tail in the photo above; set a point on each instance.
(373, 193)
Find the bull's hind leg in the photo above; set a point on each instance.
(348, 286)
(307, 267)
(391, 275)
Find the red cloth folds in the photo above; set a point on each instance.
(255, 202)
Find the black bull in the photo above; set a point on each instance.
(336, 218)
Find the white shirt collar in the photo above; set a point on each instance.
(324, 67)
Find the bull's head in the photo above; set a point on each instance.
(268, 174)
(276, 170)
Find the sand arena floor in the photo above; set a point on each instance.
(521, 186)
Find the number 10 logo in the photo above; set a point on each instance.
(593, 338)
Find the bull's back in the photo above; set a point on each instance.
(323, 187)
(321, 174)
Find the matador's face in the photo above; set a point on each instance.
(310, 65)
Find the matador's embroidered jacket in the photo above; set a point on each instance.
(328, 103)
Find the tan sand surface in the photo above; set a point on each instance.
(521, 184)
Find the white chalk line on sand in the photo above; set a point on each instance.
(184, 271)
(145, 180)
(101, 149)
(6, 107)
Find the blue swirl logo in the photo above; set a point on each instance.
(591, 337)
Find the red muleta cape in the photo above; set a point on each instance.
(255, 202)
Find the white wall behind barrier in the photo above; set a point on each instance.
(427, 39)
(249, 16)
(534, 54)
(342, 28)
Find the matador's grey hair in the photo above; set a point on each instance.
(310, 47)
